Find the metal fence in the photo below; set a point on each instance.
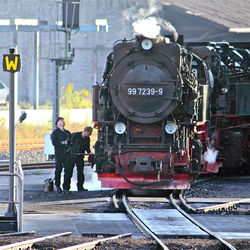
(18, 190)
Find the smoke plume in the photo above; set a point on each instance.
(146, 21)
(142, 10)
(148, 27)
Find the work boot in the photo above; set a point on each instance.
(66, 191)
(58, 190)
(80, 189)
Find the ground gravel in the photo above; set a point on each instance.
(25, 156)
(128, 243)
(37, 201)
(220, 187)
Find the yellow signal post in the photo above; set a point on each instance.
(11, 62)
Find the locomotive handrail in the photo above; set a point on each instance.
(19, 191)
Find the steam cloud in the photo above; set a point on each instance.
(147, 27)
(135, 12)
(210, 155)
(145, 21)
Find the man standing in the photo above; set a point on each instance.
(80, 142)
(60, 139)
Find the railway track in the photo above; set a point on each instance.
(27, 244)
(145, 229)
(36, 165)
(31, 166)
(148, 227)
(231, 207)
(177, 204)
(25, 144)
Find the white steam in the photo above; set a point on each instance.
(148, 27)
(142, 10)
(210, 155)
(146, 20)
(152, 26)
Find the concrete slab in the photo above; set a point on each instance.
(234, 235)
(78, 224)
(235, 224)
(169, 223)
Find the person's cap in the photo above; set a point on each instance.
(58, 119)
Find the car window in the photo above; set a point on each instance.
(1, 86)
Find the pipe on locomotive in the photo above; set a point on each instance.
(140, 183)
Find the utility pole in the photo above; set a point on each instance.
(12, 64)
(36, 70)
(70, 17)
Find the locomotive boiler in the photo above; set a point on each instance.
(151, 112)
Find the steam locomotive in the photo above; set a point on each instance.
(153, 115)
(230, 103)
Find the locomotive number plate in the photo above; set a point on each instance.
(145, 91)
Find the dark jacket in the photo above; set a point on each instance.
(79, 144)
(58, 136)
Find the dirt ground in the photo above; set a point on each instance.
(128, 243)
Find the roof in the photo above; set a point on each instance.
(229, 13)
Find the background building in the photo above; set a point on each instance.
(201, 21)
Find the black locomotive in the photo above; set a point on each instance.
(152, 114)
(230, 102)
(166, 113)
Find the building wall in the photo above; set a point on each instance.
(91, 48)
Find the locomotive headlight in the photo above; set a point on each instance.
(120, 128)
(147, 44)
(170, 128)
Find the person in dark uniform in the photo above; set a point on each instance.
(80, 142)
(60, 139)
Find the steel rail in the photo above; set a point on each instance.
(27, 244)
(227, 206)
(93, 244)
(212, 234)
(222, 207)
(31, 166)
(30, 233)
(144, 228)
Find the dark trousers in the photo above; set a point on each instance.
(79, 162)
(63, 161)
